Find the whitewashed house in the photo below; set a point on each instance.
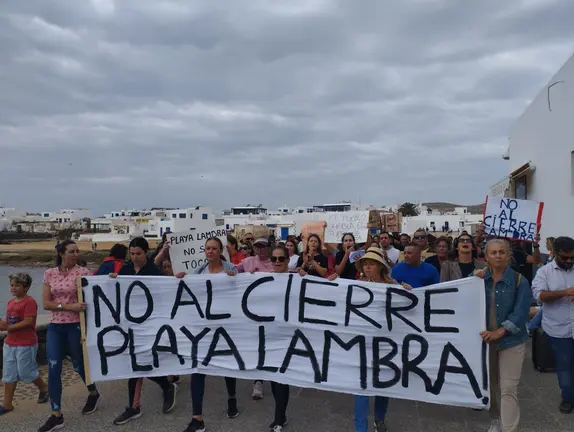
(541, 154)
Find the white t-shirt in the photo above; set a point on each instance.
(293, 262)
(393, 254)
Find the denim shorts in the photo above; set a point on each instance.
(20, 364)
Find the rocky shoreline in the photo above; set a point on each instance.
(44, 258)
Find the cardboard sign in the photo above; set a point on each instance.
(351, 337)
(392, 222)
(314, 227)
(512, 218)
(187, 251)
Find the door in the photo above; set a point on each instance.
(284, 233)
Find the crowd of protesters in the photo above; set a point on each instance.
(509, 270)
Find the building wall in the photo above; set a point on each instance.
(544, 136)
(455, 222)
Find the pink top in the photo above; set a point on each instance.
(64, 291)
(254, 264)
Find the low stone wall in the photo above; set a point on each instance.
(41, 329)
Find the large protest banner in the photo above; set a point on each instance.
(344, 336)
(512, 218)
(187, 251)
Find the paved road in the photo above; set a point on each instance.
(309, 410)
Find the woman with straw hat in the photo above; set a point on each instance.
(373, 267)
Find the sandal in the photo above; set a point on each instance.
(4, 410)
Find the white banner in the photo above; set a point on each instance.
(187, 251)
(344, 336)
(339, 223)
(512, 218)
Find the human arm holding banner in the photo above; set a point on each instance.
(159, 258)
(50, 305)
(535, 258)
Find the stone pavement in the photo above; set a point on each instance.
(309, 410)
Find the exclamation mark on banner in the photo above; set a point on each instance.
(484, 363)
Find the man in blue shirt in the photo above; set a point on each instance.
(414, 272)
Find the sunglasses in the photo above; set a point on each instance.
(465, 240)
(420, 237)
(244, 248)
(281, 259)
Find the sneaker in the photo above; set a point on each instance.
(91, 404)
(43, 397)
(232, 410)
(128, 415)
(257, 390)
(495, 426)
(565, 407)
(380, 426)
(277, 427)
(169, 398)
(196, 426)
(53, 423)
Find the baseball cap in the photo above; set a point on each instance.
(263, 241)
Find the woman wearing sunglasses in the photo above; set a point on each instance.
(463, 265)
(280, 261)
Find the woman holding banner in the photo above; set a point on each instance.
(140, 265)
(60, 297)
(280, 260)
(508, 299)
(214, 265)
(373, 268)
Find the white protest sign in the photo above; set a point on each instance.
(339, 223)
(344, 336)
(512, 218)
(187, 251)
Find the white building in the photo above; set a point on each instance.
(541, 154)
(458, 220)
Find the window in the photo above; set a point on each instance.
(204, 216)
(174, 216)
(520, 189)
(182, 215)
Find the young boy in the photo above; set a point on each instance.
(21, 344)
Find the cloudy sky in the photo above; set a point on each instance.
(127, 104)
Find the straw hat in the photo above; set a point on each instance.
(374, 254)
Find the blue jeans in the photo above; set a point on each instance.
(362, 411)
(564, 357)
(536, 320)
(58, 338)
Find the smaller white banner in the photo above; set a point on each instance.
(187, 251)
(339, 223)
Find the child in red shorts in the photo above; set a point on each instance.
(21, 344)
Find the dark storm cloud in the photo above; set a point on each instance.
(132, 104)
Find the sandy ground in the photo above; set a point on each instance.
(49, 245)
